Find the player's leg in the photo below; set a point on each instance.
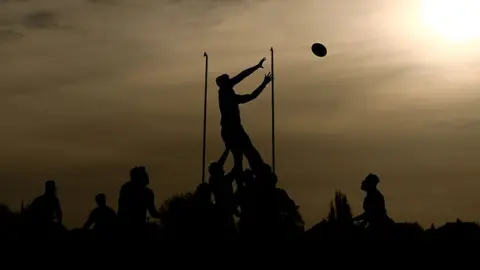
(231, 141)
(237, 161)
(251, 153)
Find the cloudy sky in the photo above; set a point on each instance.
(90, 88)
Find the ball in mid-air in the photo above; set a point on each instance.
(319, 50)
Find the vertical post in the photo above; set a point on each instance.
(273, 111)
(205, 117)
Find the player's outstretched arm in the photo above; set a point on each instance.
(247, 72)
(241, 99)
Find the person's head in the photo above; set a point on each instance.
(101, 199)
(50, 188)
(203, 192)
(216, 170)
(370, 182)
(139, 175)
(223, 81)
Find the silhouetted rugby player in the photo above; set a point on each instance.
(375, 212)
(102, 217)
(233, 134)
(135, 200)
(45, 210)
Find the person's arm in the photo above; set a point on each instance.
(223, 158)
(121, 203)
(89, 222)
(151, 206)
(58, 211)
(247, 72)
(241, 99)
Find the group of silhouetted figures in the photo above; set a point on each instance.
(227, 208)
(234, 205)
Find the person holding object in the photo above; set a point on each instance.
(233, 134)
(375, 212)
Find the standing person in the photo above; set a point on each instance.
(135, 200)
(45, 214)
(233, 134)
(45, 210)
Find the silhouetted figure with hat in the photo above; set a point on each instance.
(102, 217)
(233, 134)
(135, 200)
(375, 212)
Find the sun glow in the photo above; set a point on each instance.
(453, 20)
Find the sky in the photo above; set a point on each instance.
(90, 88)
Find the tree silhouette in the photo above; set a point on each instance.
(176, 214)
(340, 210)
(189, 215)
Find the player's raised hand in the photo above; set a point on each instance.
(268, 78)
(260, 64)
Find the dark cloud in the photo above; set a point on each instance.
(41, 20)
(9, 35)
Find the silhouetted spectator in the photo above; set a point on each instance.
(135, 200)
(375, 212)
(233, 134)
(45, 210)
(102, 217)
